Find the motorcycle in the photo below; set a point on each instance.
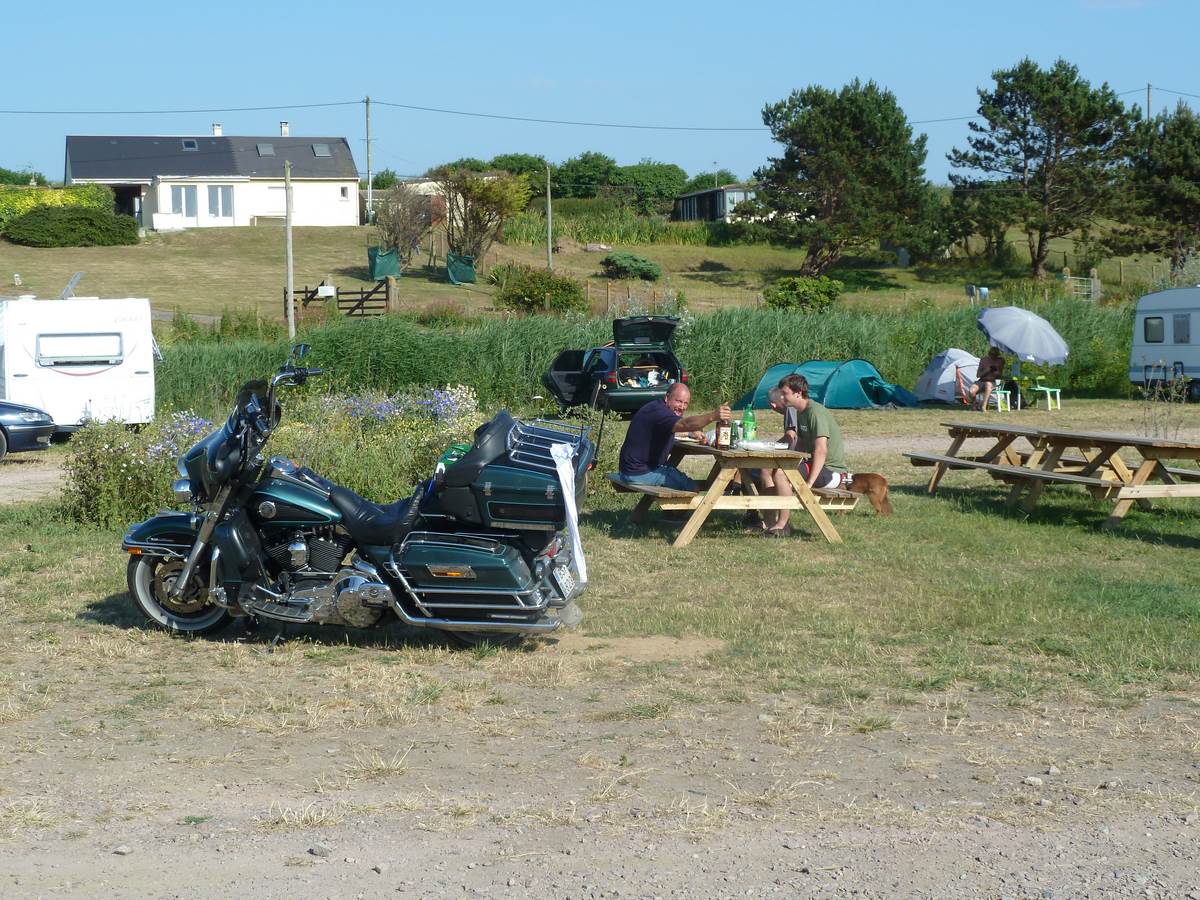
(483, 550)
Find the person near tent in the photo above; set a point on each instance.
(652, 433)
(818, 435)
(990, 371)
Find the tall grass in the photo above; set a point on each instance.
(611, 226)
(726, 352)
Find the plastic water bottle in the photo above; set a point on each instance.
(749, 426)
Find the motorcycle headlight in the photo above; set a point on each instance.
(35, 418)
(182, 489)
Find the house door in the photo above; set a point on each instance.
(220, 204)
(183, 203)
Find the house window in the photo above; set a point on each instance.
(220, 201)
(190, 144)
(345, 193)
(1153, 329)
(321, 150)
(266, 149)
(183, 200)
(1181, 326)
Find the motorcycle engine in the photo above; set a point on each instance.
(316, 550)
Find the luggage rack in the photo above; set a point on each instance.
(529, 442)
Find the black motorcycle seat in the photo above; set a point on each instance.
(491, 443)
(372, 523)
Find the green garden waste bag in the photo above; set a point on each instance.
(461, 269)
(383, 264)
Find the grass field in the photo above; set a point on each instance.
(206, 270)
(956, 669)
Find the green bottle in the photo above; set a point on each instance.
(749, 427)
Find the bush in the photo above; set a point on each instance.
(71, 226)
(17, 201)
(115, 477)
(630, 265)
(525, 288)
(799, 293)
(378, 445)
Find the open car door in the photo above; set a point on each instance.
(566, 381)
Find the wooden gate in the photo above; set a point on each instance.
(374, 301)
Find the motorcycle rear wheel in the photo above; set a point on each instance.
(150, 579)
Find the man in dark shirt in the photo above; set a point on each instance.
(652, 433)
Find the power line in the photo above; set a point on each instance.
(168, 112)
(479, 115)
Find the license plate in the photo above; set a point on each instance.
(566, 581)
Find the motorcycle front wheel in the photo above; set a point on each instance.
(150, 581)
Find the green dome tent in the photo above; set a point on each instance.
(838, 384)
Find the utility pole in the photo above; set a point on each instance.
(549, 225)
(287, 195)
(715, 174)
(370, 196)
(1147, 101)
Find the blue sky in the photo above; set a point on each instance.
(666, 63)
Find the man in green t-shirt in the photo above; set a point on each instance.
(818, 435)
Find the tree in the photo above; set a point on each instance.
(984, 208)
(384, 179)
(703, 181)
(402, 217)
(477, 205)
(466, 164)
(654, 184)
(851, 171)
(1164, 186)
(527, 164)
(584, 175)
(24, 177)
(1053, 144)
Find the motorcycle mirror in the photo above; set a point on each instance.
(300, 351)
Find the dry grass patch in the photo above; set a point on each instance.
(318, 814)
(25, 814)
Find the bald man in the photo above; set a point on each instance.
(652, 433)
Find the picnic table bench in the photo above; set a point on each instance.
(1057, 456)
(711, 496)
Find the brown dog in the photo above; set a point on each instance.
(875, 488)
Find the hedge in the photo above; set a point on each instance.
(71, 226)
(16, 201)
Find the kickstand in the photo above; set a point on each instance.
(271, 645)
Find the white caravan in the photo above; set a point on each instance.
(81, 360)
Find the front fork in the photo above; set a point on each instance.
(211, 518)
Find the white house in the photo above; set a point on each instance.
(169, 182)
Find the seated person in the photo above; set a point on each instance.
(652, 433)
(991, 369)
(818, 435)
(766, 477)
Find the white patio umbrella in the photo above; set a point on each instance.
(1023, 334)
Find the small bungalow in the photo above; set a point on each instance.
(173, 182)
(711, 205)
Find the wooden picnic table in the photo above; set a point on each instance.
(725, 464)
(1088, 459)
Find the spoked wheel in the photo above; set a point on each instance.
(150, 581)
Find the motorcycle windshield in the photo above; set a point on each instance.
(197, 464)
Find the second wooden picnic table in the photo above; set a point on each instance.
(725, 464)
(1098, 465)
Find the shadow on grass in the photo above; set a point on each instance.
(1087, 517)
(119, 611)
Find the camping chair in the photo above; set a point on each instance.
(1003, 399)
(1053, 394)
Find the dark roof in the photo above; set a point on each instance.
(144, 157)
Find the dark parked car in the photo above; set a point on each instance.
(23, 428)
(637, 367)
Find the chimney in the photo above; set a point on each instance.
(283, 129)
(216, 129)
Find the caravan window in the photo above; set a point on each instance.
(80, 350)
(1153, 329)
(1181, 327)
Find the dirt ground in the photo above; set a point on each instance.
(29, 476)
(136, 765)
(536, 775)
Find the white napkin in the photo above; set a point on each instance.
(566, 478)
